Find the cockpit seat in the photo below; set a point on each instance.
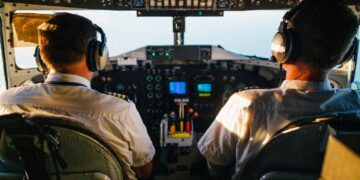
(43, 147)
(297, 151)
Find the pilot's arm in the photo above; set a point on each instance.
(220, 141)
(141, 146)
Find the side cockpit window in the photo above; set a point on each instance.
(24, 24)
(2, 65)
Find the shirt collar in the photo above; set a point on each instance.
(61, 77)
(306, 85)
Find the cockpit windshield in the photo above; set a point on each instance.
(247, 32)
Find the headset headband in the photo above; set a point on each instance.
(102, 33)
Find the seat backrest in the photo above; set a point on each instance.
(298, 153)
(300, 150)
(87, 155)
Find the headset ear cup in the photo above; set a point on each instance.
(279, 47)
(285, 46)
(41, 66)
(97, 52)
(103, 57)
(97, 55)
(91, 55)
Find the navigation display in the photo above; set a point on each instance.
(177, 87)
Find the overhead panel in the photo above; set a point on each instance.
(225, 5)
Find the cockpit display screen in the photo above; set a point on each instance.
(177, 87)
(204, 87)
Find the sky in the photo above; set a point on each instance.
(246, 32)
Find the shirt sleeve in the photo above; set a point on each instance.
(219, 143)
(141, 146)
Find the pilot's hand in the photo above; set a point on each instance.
(217, 172)
(143, 172)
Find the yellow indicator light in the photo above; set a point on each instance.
(181, 135)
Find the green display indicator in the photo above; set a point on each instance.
(200, 13)
(153, 54)
(204, 94)
(167, 54)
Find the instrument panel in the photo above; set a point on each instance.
(206, 87)
(178, 101)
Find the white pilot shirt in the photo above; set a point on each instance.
(113, 118)
(250, 118)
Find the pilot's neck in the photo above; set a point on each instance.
(87, 76)
(79, 69)
(303, 73)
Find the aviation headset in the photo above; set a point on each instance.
(286, 45)
(97, 54)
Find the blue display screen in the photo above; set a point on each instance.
(204, 87)
(177, 87)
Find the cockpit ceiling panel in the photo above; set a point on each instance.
(174, 5)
